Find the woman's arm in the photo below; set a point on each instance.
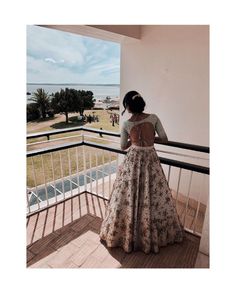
(162, 137)
(124, 142)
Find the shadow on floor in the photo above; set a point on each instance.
(181, 255)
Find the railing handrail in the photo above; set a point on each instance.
(73, 129)
(184, 165)
(193, 147)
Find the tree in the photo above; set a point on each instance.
(32, 112)
(41, 99)
(72, 100)
(62, 102)
(85, 101)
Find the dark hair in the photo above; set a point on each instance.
(135, 102)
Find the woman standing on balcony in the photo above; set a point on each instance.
(140, 214)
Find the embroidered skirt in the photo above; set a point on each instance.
(141, 213)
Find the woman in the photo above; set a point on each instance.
(140, 214)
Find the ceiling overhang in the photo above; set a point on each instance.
(115, 33)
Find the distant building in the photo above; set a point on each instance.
(99, 105)
(114, 104)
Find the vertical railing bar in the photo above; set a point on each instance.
(198, 204)
(169, 174)
(53, 176)
(186, 206)
(35, 182)
(28, 202)
(69, 161)
(62, 176)
(90, 168)
(109, 173)
(85, 171)
(177, 192)
(77, 168)
(44, 177)
(103, 172)
(96, 173)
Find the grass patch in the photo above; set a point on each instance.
(59, 120)
(54, 164)
(64, 163)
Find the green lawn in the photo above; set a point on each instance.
(57, 123)
(47, 163)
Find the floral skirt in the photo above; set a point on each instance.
(141, 213)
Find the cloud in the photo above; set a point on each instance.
(59, 57)
(52, 60)
(49, 59)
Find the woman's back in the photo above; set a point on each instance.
(141, 130)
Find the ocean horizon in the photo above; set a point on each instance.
(100, 91)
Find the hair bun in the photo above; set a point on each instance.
(136, 95)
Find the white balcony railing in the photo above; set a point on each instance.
(64, 171)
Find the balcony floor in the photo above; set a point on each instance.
(67, 236)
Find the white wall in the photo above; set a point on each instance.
(169, 66)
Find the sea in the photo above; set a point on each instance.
(100, 91)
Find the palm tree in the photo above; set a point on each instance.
(41, 98)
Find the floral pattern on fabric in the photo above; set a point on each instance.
(141, 214)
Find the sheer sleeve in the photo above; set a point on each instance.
(124, 138)
(159, 129)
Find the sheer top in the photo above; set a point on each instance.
(142, 132)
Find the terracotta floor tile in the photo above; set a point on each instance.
(75, 209)
(40, 264)
(80, 240)
(58, 223)
(84, 251)
(29, 255)
(93, 236)
(91, 262)
(41, 244)
(59, 208)
(82, 223)
(42, 257)
(32, 223)
(64, 239)
(110, 262)
(96, 224)
(42, 218)
(61, 258)
(92, 206)
(37, 235)
(29, 238)
(100, 253)
(66, 236)
(69, 264)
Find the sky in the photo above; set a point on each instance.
(59, 57)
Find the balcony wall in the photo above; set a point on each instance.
(169, 65)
